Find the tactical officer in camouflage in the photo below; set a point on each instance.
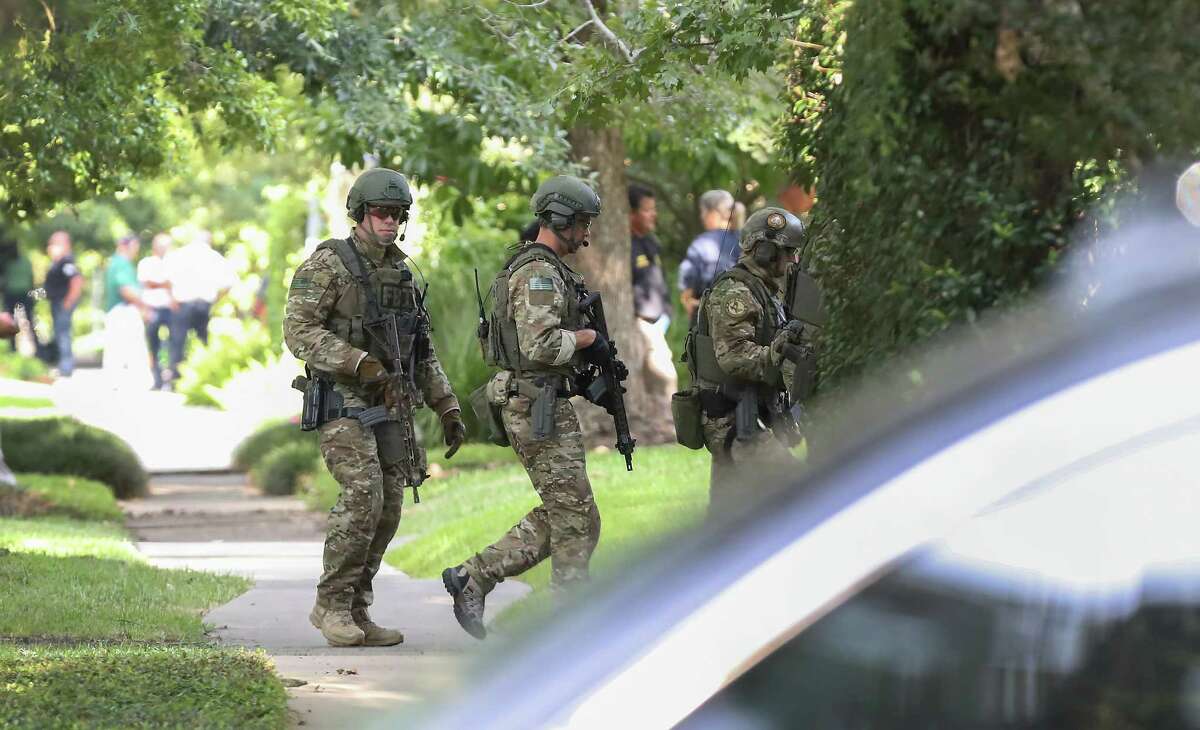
(742, 350)
(362, 406)
(536, 336)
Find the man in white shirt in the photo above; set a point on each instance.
(156, 295)
(198, 277)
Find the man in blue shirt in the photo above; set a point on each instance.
(711, 252)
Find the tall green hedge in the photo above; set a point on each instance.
(66, 446)
(957, 145)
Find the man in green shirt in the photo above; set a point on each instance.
(126, 358)
(120, 281)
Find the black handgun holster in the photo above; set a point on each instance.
(543, 411)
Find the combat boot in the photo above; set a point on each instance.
(336, 625)
(376, 635)
(468, 598)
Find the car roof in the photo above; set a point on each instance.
(1148, 308)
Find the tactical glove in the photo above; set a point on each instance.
(453, 430)
(597, 353)
(795, 330)
(371, 371)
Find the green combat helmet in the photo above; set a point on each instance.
(775, 225)
(559, 199)
(378, 186)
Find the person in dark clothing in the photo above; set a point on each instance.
(649, 284)
(17, 279)
(652, 306)
(64, 287)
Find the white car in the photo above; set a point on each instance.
(1020, 550)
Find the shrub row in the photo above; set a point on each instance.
(65, 446)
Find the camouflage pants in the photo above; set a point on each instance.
(566, 526)
(365, 517)
(741, 469)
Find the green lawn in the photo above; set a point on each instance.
(83, 620)
(667, 491)
(71, 496)
(134, 686)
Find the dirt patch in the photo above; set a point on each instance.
(20, 503)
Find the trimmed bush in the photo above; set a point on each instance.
(250, 453)
(281, 470)
(66, 446)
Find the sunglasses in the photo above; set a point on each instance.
(383, 212)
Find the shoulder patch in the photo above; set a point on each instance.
(541, 290)
(301, 282)
(735, 307)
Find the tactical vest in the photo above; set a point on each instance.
(501, 348)
(381, 290)
(701, 355)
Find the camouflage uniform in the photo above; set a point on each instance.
(323, 327)
(734, 317)
(542, 308)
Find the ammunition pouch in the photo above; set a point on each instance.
(488, 413)
(393, 447)
(687, 413)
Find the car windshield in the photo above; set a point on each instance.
(1073, 603)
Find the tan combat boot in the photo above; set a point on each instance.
(376, 635)
(336, 625)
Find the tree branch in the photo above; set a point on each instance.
(611, 37)
(527, 5)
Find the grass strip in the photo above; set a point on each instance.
(17, 401)
(72, 496)
(138, 687)
(460, 515)
(64, 578)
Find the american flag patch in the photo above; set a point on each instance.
(541, 283)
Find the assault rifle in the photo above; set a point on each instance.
(402, 338)
(604, 388)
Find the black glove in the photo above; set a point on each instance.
(597, 353)
(795, 330)
(453, 430)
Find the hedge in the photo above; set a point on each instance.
(65, 446)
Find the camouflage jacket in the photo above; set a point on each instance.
(315, 290)
(542, 306)
(734, 317)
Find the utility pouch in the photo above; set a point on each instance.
(488, 414)
(312, 408)
(373, 416)
(543, 412)
(689, 422)
(397, 448)
(746, 415)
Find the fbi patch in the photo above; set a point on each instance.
(391, 296)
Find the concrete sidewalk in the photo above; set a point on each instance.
(226, 528)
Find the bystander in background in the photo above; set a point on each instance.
(712, 252)
(64, 287)
(652, 307)
(18, 284)
(126, 360)
(156, 295)
(198, 276)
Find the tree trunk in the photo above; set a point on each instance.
(606, 265)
